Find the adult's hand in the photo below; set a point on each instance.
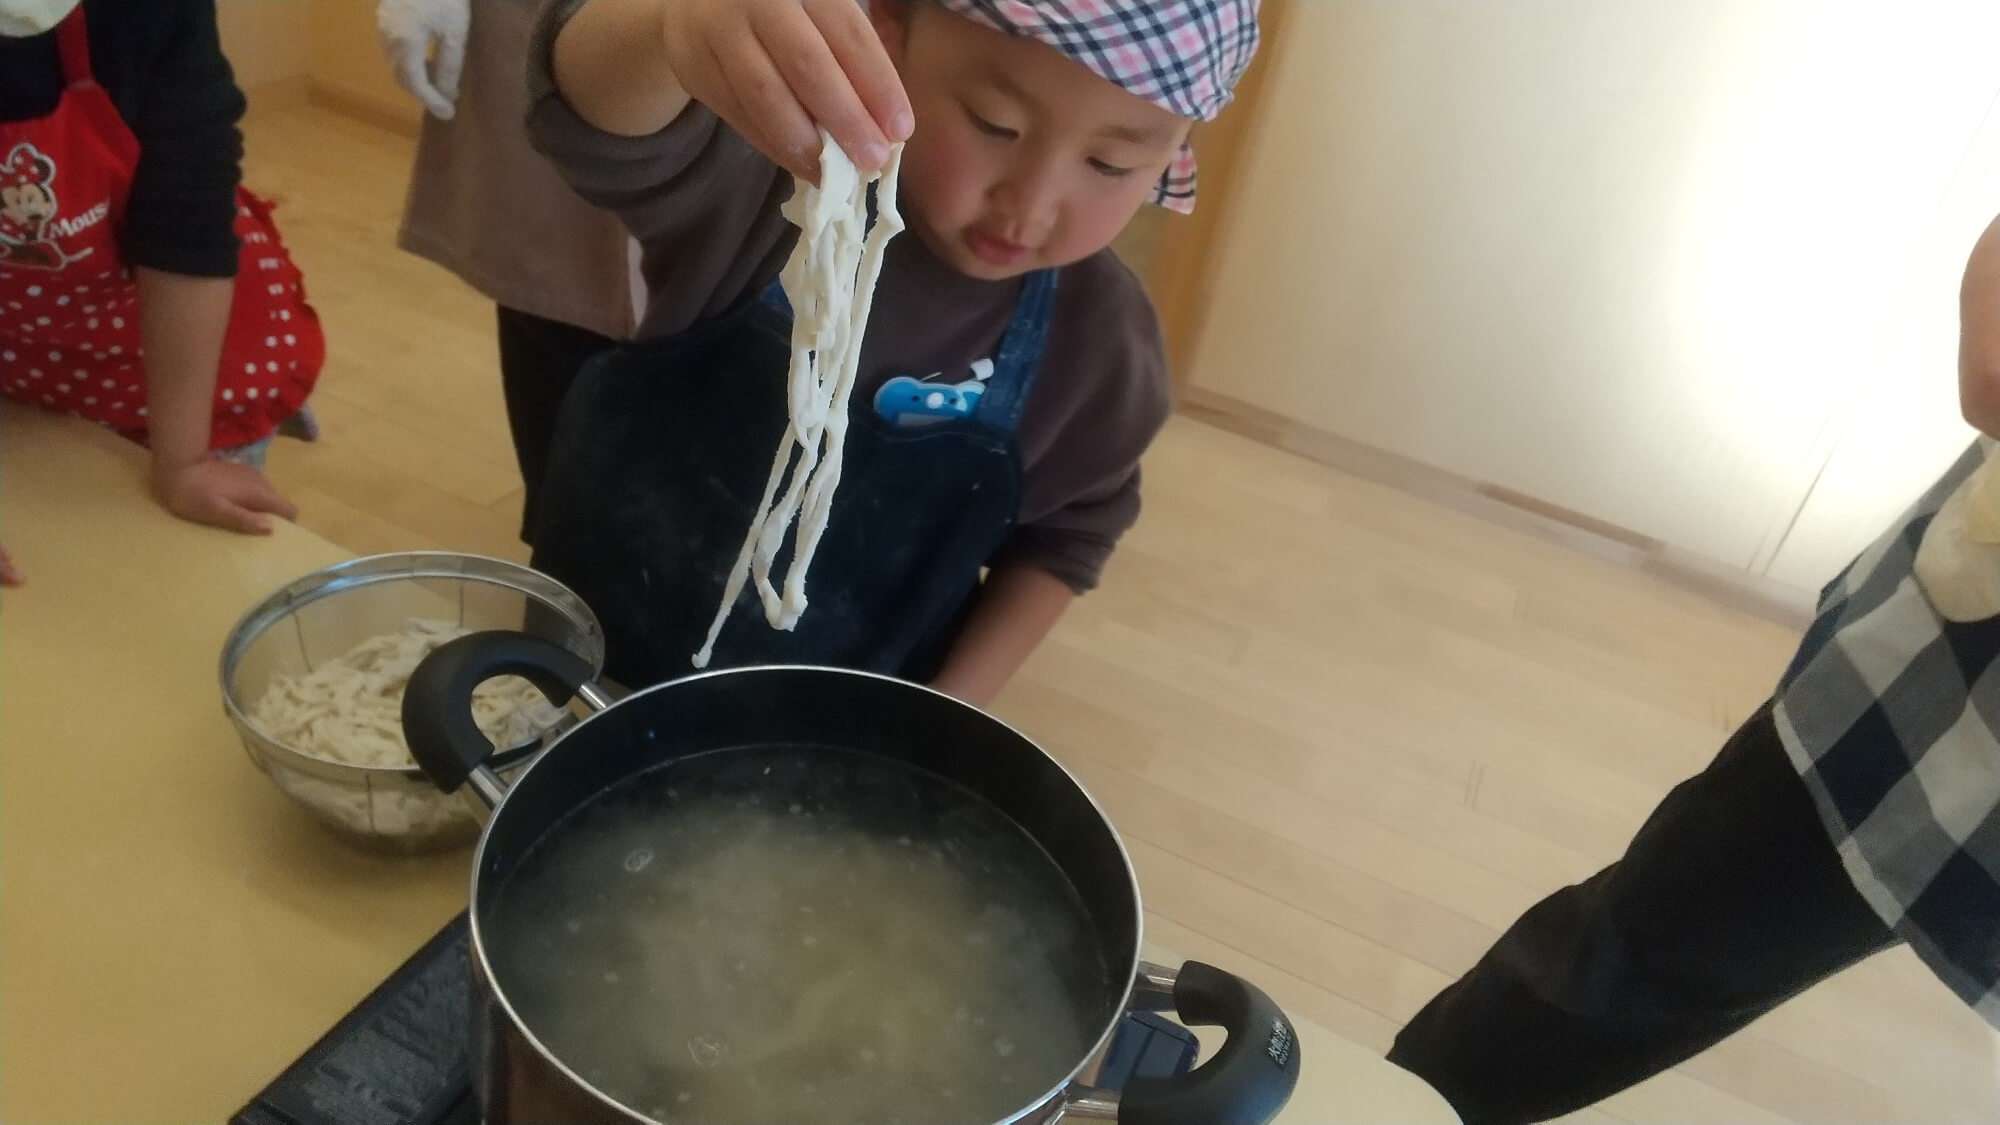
(425, 42)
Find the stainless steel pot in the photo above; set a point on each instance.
(519, 1081)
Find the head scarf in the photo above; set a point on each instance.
(1184, 56)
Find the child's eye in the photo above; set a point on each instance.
(989, 128)
(1111, 170)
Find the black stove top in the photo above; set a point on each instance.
(399, 1058)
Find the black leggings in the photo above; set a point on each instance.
(539, 359)
(1729, 901)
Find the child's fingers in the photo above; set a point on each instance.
(265, 498)
(226, 512)
(252, 491)
(722, 100)
(819, 82)
(857, 50)
(10, 575)
(236, 497)
(269, 501)
(776, 122)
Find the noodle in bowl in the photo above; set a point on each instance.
(313, 675)
(350, 709)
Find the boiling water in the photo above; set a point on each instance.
(813, 939)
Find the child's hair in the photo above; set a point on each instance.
(1185, 56)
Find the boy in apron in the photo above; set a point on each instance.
(1012, 373)
(141, 287)
(1858, 810)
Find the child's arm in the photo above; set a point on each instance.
(1015, 610)
(182, 322)
(775, 72)
(612, 70)
(1979, 335)
(178, 237)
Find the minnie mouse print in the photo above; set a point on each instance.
(27, 205)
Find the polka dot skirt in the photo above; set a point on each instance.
(70, 340)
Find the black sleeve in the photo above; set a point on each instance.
(182, 214)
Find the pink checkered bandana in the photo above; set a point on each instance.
(1182, 55)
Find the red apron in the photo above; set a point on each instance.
(69, 306)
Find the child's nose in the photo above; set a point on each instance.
(1029, 197)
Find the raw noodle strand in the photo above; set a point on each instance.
(816, 336)
(740, 573)
(799, 279)
(836, 215)
(830, 281)
(819, 499)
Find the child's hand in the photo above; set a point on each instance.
(9, 575)
(779, 72)
(222, 494)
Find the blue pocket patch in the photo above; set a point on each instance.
(908, 402)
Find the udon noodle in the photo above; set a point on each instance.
(830, 282)
(760, 952)
(350, 709)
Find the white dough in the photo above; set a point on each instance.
(830, 282)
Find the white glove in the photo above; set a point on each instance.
(425, 42)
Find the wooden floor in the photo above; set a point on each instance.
(1348, 734)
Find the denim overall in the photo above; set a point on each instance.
(661, 454)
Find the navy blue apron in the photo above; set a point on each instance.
(661, 453)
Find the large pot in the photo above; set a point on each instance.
(519, 1081)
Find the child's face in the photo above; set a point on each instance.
(1022, 158)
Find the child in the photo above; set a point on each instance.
(1034, 133)
(1858, 810)
(121, 227)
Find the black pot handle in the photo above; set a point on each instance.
(437, 706)
(1247, 1082)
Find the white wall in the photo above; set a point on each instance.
(1901, 427)
(1647, 260)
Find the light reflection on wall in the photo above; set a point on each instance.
(1654, 261)
(1817, 268)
